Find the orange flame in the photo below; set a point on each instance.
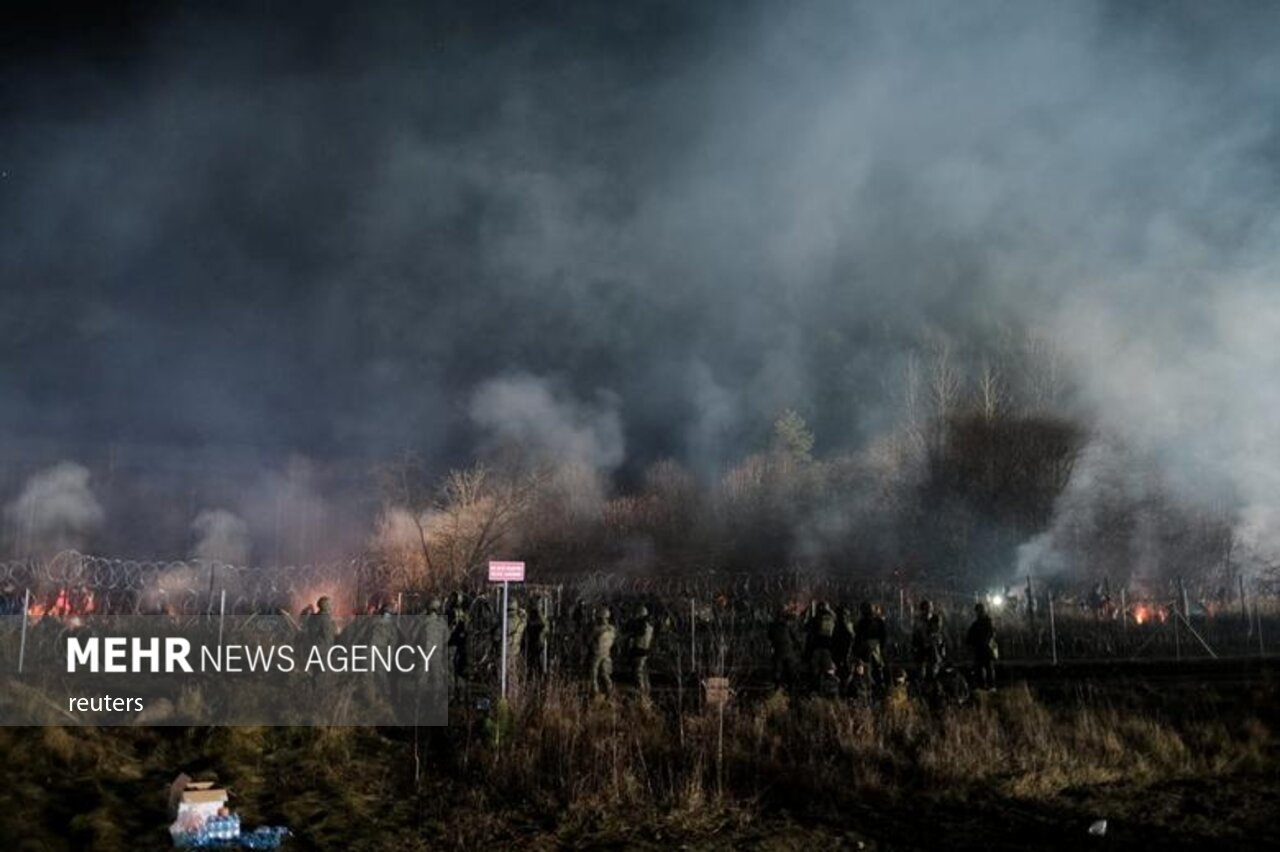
(66, 603)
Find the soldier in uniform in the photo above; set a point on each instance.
(602, 637)
(321, 631)
(870, 635)
(304, 617)
(818, 643)
(515, 635)
(861, 689)
(828, 683)
(639, 643)
(784, 640)
(536, 637)
(433, 632)
(842, 641)
(928, 644)
(981, 640)
(459, 639)
(896, 698)
(382, 633)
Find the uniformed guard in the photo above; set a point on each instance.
(928, 643)
(981, 640)
(321, 631)
(602, 638)
(459, 639)
(433, 634)
(818, 642)
(842, 641)
(784, 641)
(639, 643)
(535, 637)
(870, 635)
(515, 636)
(828, 684)
(896, 697)
(382, 633)
(861, 689)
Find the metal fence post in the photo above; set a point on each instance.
(1257, 611)
(209, 609)
(1177, 634)
(1053, 631)
(22, 644)
(222, 617)
(505, 585)
(693, 636)
(1244, 605)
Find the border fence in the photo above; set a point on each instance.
(712, 621)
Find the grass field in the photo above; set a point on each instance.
(1178, 765)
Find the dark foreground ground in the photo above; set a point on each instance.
(1171, 763)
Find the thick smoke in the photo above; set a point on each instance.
(693, 216)
(581, 442)
(56, 510)
(523, 411)
(223, 537)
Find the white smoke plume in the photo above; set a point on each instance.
(223, 536)
(290, 517)
(56, 510)
(582, 441)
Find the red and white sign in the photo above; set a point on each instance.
(506, 572)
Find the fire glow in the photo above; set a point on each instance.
(1146, 613)
(65, 604)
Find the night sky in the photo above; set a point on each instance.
(323, 228)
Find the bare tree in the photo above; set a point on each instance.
(453, 529)
(992, 395)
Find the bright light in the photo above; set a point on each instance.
(996, 601)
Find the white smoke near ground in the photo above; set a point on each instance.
(581, 441)
(223, 536)
(287, 511)
(1199, 392)
(56, 510)
(716, 413)
(176, 589)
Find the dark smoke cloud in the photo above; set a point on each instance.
(324, 236)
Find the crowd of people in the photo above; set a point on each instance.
(830, 651)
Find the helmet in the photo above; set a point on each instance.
(642, 611)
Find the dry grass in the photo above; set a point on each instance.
(567, 770)
(628, 758)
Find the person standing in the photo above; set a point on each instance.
(639, 643)
(981, 640)
(928, 644)
(603, 635)
(869, 637)
(784, 641)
